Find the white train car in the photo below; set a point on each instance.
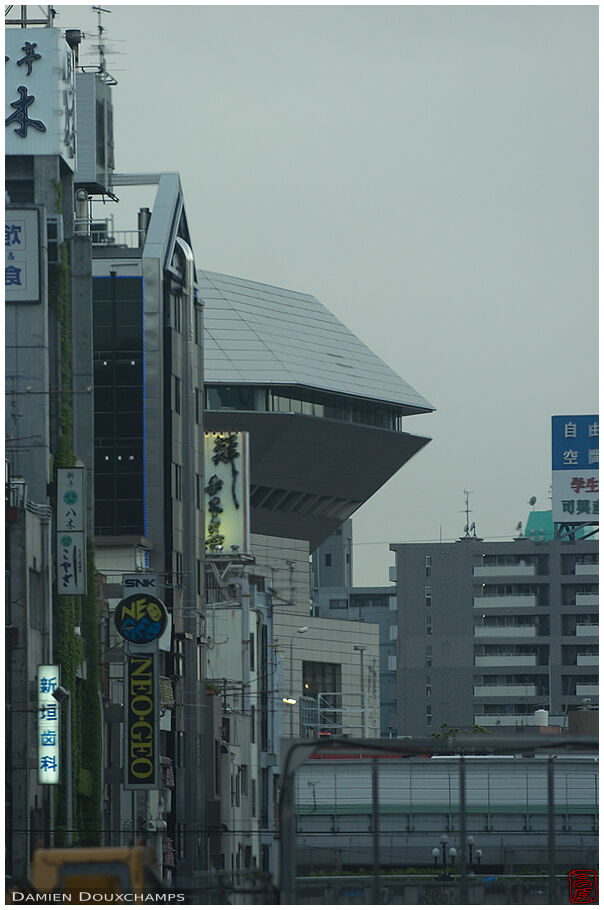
(506, 810)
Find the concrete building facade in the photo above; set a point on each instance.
(490, 632)
(334, 597)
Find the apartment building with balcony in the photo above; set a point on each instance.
(491, 632)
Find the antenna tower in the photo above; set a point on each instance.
(99, 10)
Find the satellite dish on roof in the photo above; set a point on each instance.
(532, 501)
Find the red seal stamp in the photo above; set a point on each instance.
(583, 886)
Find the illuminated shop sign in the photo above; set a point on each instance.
(226, 502)
(48, 725)
(141, 760)
(575, 469)
(141, 618)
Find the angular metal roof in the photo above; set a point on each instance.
(257, 334)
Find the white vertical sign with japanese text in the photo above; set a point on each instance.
(575, 469)
(71, 530)
(226, 499)
(39, 82)
(21, 256)
(48, 725)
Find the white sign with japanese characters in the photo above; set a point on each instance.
(48, 725)
(71, 562)
(21, 256)
(71, 499)
(226, 501)
(575, 464)
(39, 85)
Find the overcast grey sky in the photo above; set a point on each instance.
(430, 174)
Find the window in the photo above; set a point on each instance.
(393, 632)
(197, 406)
(428, 715)
(253, 724)
(428, 625)
(252, 651)
(428, 686)
(177, 394)
(328, 560)
(177, 312)
(198, 491)
(177, 574)
(254, 798)
(177, 482)
(338, 603)
(428, 655)
(392, 662)
(428, 595)
(428, 566)
(198, 324)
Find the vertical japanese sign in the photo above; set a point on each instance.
(141, 760)
(575, 468)
(21, 256)
(226, 502)
(71, 528)
(48, 725)
(39, 94)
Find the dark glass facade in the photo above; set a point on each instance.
(118, 405)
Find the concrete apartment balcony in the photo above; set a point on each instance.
(586, 600)
(504, 571)
(587, 568)
(584, 631)
(506, 631)
(504, 720)
(505, 600)
(587, 660)
(587, 689)
(505, 691)
(505, 660)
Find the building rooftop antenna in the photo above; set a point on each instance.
(468, 510)
(99, 10)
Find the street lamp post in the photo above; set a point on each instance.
(436, 856)
(470, 842)
(64, 695)
(444, 840)
(452, 855)
(362, 649)
(292, 701)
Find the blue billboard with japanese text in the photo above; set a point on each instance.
(575, 464)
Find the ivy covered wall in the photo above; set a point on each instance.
(71, 612)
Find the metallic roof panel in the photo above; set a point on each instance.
(257, 333)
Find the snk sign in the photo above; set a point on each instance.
(142, 723)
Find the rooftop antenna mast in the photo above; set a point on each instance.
(468, 527)
(99, 10)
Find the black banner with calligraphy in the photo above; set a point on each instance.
(141, 703)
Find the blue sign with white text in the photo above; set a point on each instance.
(575, 442)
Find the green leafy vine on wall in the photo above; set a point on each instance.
(69, 647)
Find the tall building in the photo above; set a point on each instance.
(148, 443)
(491, 632)
(48, 424)
(326, 419)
